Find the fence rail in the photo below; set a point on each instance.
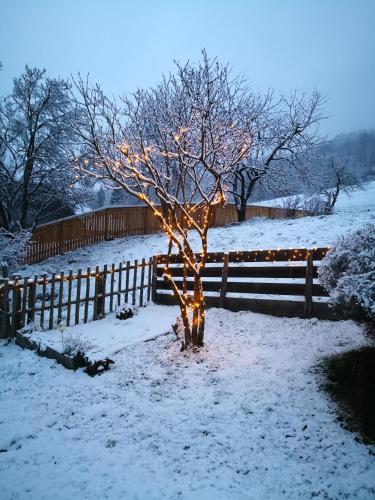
(285, 284)
(115, 222)
(73, 297)
(277, 282)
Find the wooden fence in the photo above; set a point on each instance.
(277, 282)
(67, 234)
(73, 297)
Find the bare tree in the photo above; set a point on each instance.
(338, 180)
(176, 143)
(283, 132)
(35, 141)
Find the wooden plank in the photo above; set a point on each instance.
(155, 271)
(44, 293)
(127, 279)
(142, 282)
(309, 287)
(52, 301)
(112, 287)
(224, 280)
(272, 255)
(31, 300)
(134, 292)
(16, 305)
(207, 272)
(287, 308)
(102, 290)
(24, 301)
(69, 303)
(87, 296)
(119, 284)
(95, 313)
(208, 286)
(78, 296)
(286, 271)
(149, 280)
(4, 296)
(61, 294)
(250, 287)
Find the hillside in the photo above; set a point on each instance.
(351, 213)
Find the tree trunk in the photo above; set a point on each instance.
(241, 212)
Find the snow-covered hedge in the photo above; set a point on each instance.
(13, 246)
(348, 272)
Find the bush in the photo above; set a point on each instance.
(291, 204)
(314, 206)
(13, 247)
(348, 273)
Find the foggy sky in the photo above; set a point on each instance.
(282, 44)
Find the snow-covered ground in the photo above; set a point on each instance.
(352, 213)
(104, 339)
(243, 418)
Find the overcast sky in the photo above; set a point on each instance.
(125, 44)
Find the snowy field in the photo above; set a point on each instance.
(242, 419)
(352, 213)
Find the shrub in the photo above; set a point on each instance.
(13, 247)
(348, 273)
(291, 204)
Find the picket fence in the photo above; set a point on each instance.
(73, 297)
(277, 282)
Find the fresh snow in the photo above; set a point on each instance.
(242, 418)
(105, 338)
(352, 213)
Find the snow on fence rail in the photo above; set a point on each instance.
(232, 280)
(116, 222)
(282, 284)
(72, 297)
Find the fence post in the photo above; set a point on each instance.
(309, 285)
(224, 280)
(154, 277)
(99, 294)
(4, 309)
(16, 306)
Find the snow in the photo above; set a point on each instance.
(105, 338)
(352, 213)
(242, 418)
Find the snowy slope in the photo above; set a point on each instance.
(241, 419)
(352, 213)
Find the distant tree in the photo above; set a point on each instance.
(338, 180)
(282, 132)
(177, 143)
(36, 141)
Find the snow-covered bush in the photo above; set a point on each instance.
(348, 272)
(75, 343)
(291, 204)
(13, 246)
(126, 311)
(314, 205)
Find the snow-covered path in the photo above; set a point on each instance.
(352, 213)
(242, 419)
